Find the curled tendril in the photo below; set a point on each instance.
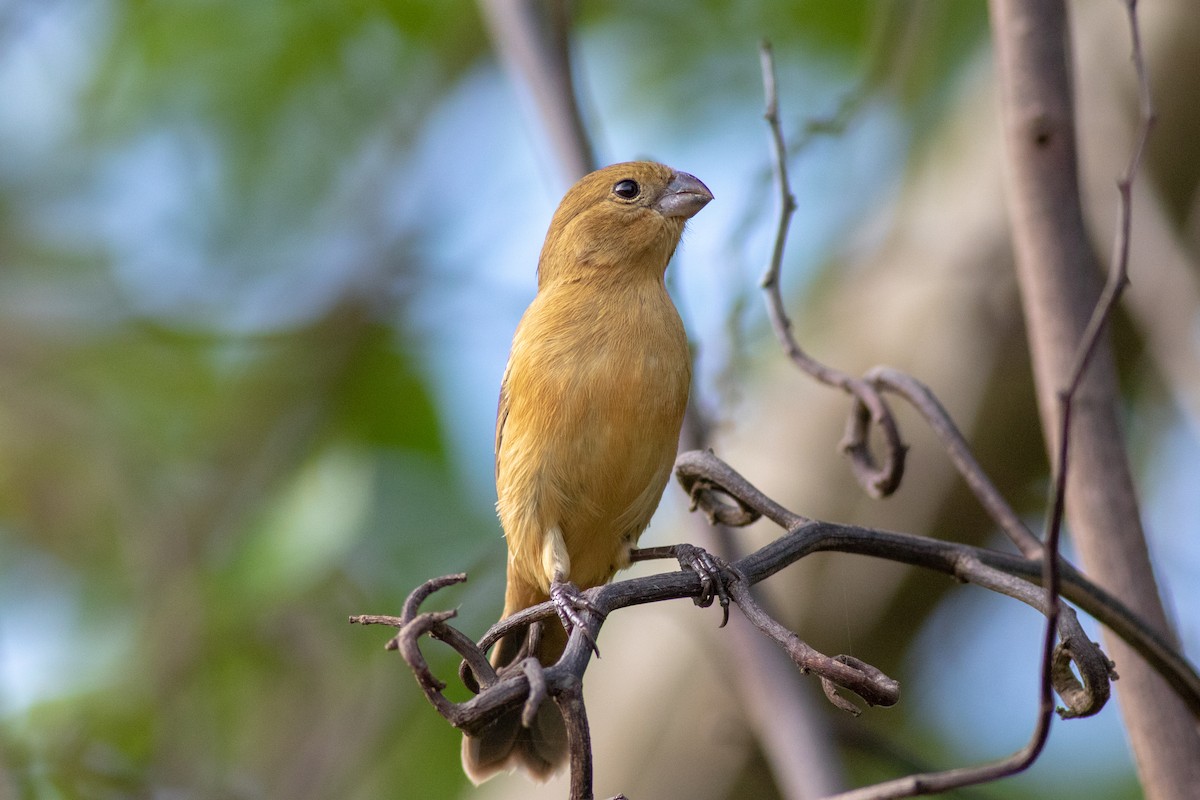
(710, 499)
(1085, 697)
(870, 409)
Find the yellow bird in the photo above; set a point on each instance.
(588, 425)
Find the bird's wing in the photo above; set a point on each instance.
(501, 415)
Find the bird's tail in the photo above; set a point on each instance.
(541, 749)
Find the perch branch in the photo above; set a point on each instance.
(710, 480)
(966, 563)
(864, 680)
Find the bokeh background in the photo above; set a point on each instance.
(259, 266)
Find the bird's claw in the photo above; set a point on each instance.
(536, 675)
(712, 572)
(569, 602)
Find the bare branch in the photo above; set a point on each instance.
(879, 480)
(794, 738)
(531, 38)
(1118, 273)
(870, 407)
(988, 568)
(963, 562)
(1079, 699)
(1082, 699)
(570, 702)
(923, 400)
(869, 683)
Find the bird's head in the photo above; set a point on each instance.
(626, 217)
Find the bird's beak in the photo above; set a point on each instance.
(685, 195)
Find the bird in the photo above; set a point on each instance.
(591, 405)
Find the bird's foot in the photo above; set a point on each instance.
(536, 675)
(714, 573)
(569, 602)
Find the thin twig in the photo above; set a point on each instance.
(869, 683)
(1118, 273)
(1096, 670)
(921, 398)
(1117, 280)
(879, 480)
(870, 407)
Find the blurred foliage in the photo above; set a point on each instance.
(219, 430)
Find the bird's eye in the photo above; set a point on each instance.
(626, 189)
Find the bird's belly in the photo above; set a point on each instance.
(616, 494)
(595, 466)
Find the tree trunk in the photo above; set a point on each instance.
(1058, 276)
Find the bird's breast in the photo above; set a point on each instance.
(596, 397)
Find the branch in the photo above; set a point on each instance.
(532, 40)
(716, 487)
(867, 408)
(1076, 382)
(923, 400)
(706, 476)
(1118, 273)
(879, 480)
(867, 682)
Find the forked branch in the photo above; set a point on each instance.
(721, 492)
